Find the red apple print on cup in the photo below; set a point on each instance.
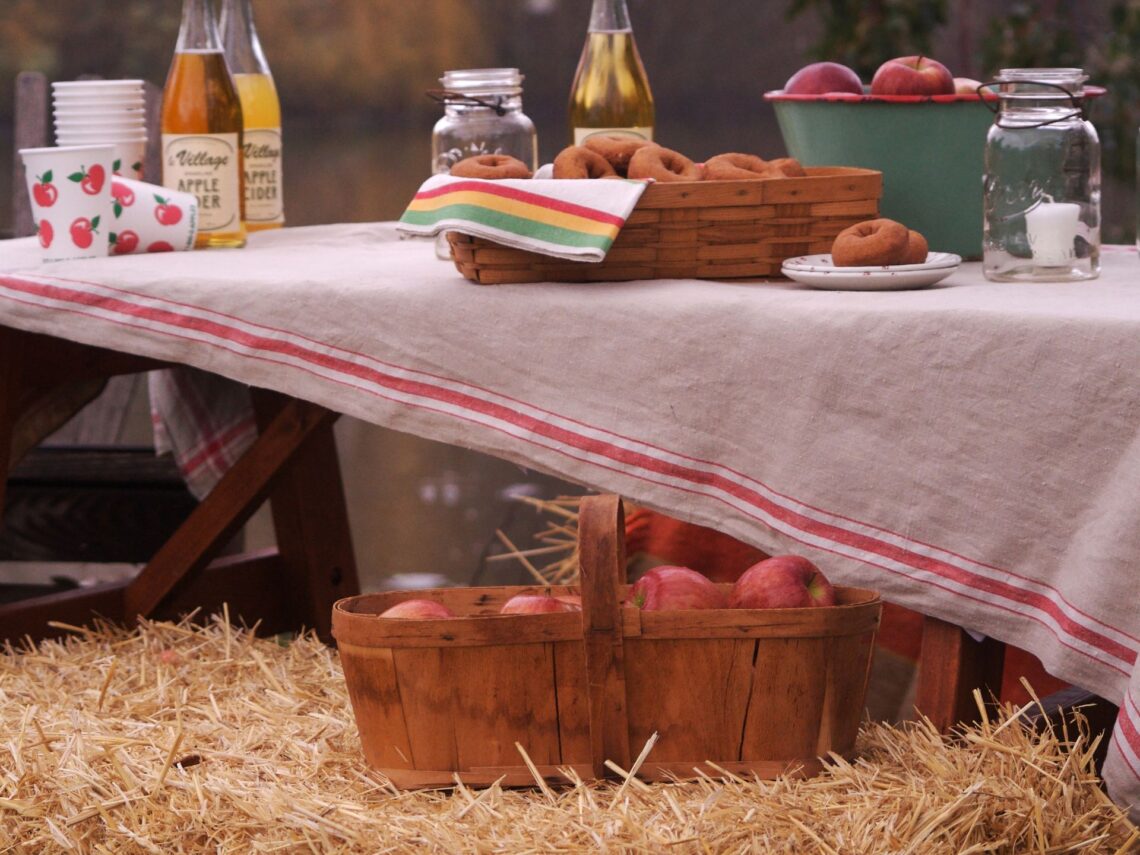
(124, 242)
(160, 246)
(90, 180)
(83, 230)
(123, 195)
(45, 233)
(166, 213)
(45, 192)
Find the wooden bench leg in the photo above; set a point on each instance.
(950, 667)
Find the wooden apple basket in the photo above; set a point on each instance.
(700, 230)
(760, 692)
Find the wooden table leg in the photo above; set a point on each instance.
(9, 405)
(310, 521)
(951, 666)
(228, 506)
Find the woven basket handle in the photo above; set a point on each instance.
(601, 556)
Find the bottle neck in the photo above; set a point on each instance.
(609, 16)
(239, 38)
(198, 31)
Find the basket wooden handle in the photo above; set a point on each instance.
(601, 556)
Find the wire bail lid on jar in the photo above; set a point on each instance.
(1035, 97)
(479, 87)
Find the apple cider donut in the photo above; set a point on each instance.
(490, 166)
(871, 243)
(615, 148)
(662, 164)
(577, 161)
(916, 248)
(735, 166)
(789, 166)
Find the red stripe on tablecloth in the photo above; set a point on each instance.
(523, 196)
(1126, 727)
(590, 445)
(212, 451)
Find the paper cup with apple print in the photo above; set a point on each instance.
(70, 191)
(149, 218)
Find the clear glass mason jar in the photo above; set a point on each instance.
(482, 114)
(1042, 180)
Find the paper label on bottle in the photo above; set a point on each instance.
(264, 204)
(582, 134)
(209, 166)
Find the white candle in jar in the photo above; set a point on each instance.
(1051, 228)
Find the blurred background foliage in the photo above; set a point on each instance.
(363, 65)
(862, 33)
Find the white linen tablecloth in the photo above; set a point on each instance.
(971, 450)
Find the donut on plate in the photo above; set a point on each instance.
(577, 161)
(916, 249)
(735, 166)
(871, 243)
(662, 164)
(615, 148)
(490, 166)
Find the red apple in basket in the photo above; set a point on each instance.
(819, 78)
(418, 610)
(536, 604)
(668, 587)
(912, 75)
(781, 582)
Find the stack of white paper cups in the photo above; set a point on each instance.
(103, 112)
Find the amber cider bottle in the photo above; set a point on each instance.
(202, 129)
(261, 115)
(610, 93)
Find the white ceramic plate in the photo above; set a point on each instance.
(818, 272)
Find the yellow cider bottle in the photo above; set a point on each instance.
(202, 129)
(261, 112)
(610, 93)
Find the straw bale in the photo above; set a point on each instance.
(174, 738)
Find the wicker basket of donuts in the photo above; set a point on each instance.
(734, 216)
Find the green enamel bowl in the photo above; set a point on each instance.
(930, 150)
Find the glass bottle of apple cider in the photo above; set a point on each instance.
(610, 93)
(261, 113)
(202, 129)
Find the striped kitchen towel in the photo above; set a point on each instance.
(576, 220)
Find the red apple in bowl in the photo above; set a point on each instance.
(418, 610)
(668, 588)
(781, 582)
(819, 78)
(912, 75)
(536, 604)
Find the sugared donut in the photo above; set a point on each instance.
(789, 166)
(615, 148)
(577, 161)
(490, 166)
(735, 166)
(870, 244)
(916, 249)
(662, 164)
